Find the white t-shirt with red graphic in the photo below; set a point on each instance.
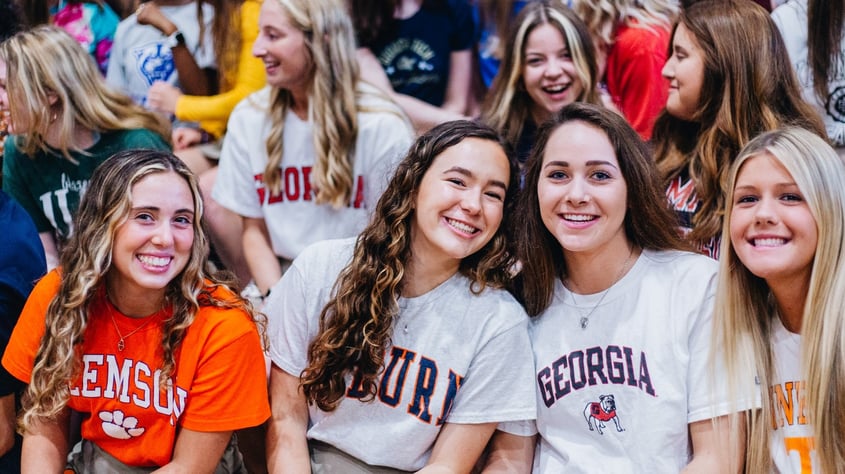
(292, 217)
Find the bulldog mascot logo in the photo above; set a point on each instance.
(597, 413)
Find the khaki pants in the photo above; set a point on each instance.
(87, 458)
(326, 459)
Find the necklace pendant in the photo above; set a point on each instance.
(406, 329)
(584, 322)
(121, 345)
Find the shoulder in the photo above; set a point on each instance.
(495, 306)
(325, 257)
(223, 324)
(250, 10)
(791, 14)
(134, 137)
(680, 266)
(637, 39)
(257, 102)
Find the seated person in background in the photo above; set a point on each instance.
(424, 48)
(549, 62)
(156, 43)
(64, 121)
(21, 265)
(306, 158)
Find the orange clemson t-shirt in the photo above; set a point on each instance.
(219, 383)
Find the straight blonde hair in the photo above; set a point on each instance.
(745, 308)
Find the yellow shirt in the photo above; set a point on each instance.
(212, 112)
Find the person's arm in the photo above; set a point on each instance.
(458, 447)
(213, 111)
(51, 249)
(510, 454)
(711, 447)
(287, 445)
(7, 423)
(454, 107)
(45, 445)
(260, 258)
(192, 78)
(196, 452)
(422, 114)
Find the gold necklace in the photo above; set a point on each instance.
(585, 320)
(121, 344)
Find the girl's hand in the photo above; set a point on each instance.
(148, 13)
(185, 137)
(163, 97)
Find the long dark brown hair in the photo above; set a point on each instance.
(356, 324)
(649, 223)
(748, 87)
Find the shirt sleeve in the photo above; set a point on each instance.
(146, 139)
(14, 183)
(213, 111)
(230, 377)
(235, 186)
(288, 323)
(464, 27)
(499, 385)
(19, 357)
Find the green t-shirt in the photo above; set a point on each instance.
(49, 186)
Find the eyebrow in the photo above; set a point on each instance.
(785, 184)
(565, 164)
(157, 209)
(468, 174)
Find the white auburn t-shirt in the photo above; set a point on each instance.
(454, 357)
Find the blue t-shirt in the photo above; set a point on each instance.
(489, 41)
(416, 57)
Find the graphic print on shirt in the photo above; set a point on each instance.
(296, 186)
(407, 61)
(132, 383)
(684, 201)
(154, 62)
(789, 409)
(597, 413)
(58, 200)
(611, 365)
(119, 426)
(427, 393)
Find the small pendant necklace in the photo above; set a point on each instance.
(121, 344)
(585, 319)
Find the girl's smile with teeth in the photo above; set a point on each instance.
(579, 217)
(154, 261)
(768, 242)
(461, 226)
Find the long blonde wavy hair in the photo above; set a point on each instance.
(51, 78)
(745, 308)
(356, 324)
(87, 259)
(508, 105)
(748, 87)
(333, 100)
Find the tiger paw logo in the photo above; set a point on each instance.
(597, 413)
(119, 426)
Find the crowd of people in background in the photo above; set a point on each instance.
(383, 236)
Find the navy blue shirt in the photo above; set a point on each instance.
(416, 57)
